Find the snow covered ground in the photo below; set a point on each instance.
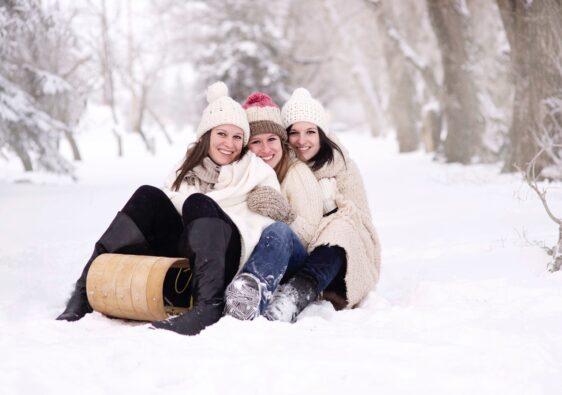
(464, 305)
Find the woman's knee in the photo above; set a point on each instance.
(148, 201)
(278, 235)
(148, 191)
(144, 196)
(279, 229)
(198, 199)
(199, 205)
(328, 255)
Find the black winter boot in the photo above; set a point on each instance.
(208, 239)
(122, 235)
(291, 298)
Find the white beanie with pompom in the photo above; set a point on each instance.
(302, 107)
(222, 110)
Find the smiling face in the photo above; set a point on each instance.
(268, 147)
(305, 139)
(225, 144)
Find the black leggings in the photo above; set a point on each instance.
(166, 231)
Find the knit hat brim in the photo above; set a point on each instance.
(261, 127)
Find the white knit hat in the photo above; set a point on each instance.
(301, 107)
(222, 110)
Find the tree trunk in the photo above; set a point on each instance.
(402, 106)
(107, 72)
(73, 145)
(465, 126)
(364, 85)
(160, 125)
(534, 31)
(139, 120)
(22, 154)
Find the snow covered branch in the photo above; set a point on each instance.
(530, 177)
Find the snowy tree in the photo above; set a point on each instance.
(241, 43)
(100, 44)
(313, 61)
(29, 132)
(358, 66)
(491, 71)
(465, 127)
(402, 106)
(534, 32)
(36, 100)
(408, 48)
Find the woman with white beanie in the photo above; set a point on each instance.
(201, 214)
(281, 249)
(344, 260)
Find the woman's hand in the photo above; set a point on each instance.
(270, 203)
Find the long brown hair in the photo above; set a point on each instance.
(283, 166)
(194, 156)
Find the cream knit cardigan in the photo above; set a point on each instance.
(230, 192)
(305, 197)
(350, 227)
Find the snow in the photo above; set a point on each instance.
(52, 84)
(465, 304)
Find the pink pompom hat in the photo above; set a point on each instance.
(264, 115)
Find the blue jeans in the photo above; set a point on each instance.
(278, 255)
(323, 265)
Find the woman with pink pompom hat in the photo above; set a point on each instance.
(297, 210)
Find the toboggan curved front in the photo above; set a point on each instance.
(131, 286)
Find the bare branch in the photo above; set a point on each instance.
(79, 63)
(531, 179)
(160, 124)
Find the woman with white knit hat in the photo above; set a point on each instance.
(298, 210)
(344, 260)
(201, 214)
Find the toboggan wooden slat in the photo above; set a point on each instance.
(131, 286)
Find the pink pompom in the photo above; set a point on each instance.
(258, 99)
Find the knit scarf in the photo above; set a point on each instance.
(204, 176)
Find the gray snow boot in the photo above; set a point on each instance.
(122, 235)
(291, 298)
(243, 296)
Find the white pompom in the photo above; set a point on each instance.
(301, 93)
(216, 91)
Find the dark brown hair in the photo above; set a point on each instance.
(326, 152)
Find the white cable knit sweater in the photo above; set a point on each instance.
(305, 197)
(230, 192)
(350, 227)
